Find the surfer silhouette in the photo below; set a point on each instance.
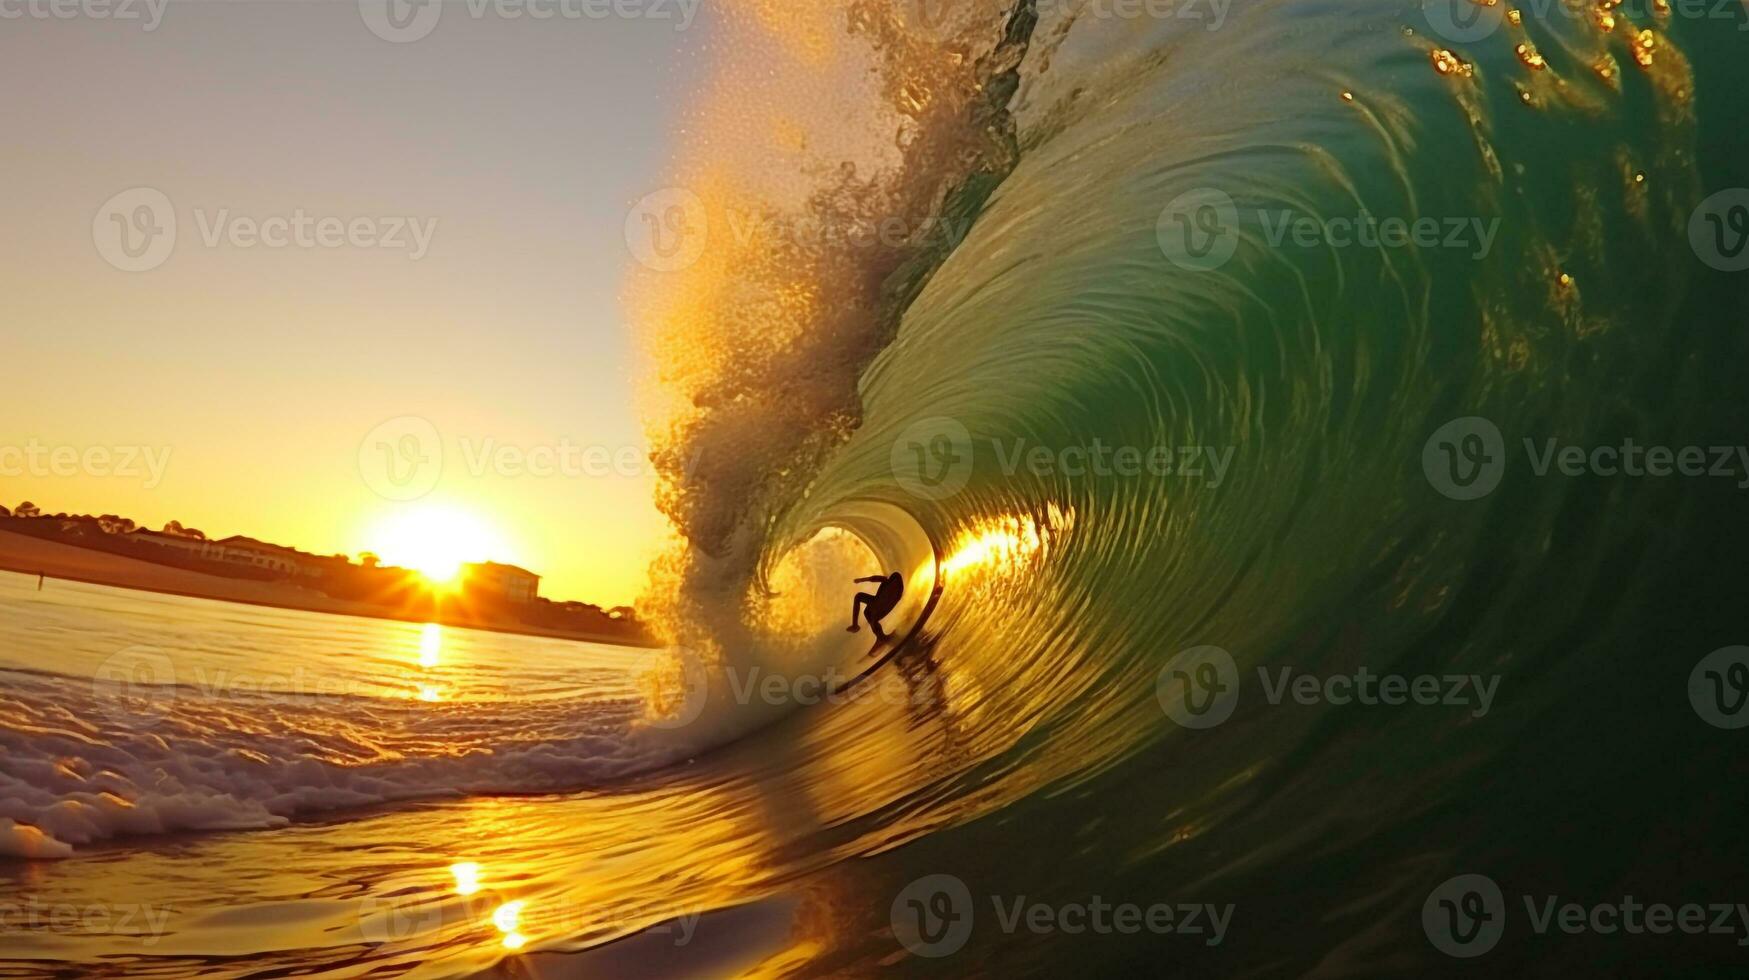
(875, 607)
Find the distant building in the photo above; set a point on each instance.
(198, 547)
(237, 551)
(287, 561)
(506, 583)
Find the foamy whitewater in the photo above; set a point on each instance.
(133, 735)
(1090, 253)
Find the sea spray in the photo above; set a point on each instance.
(759, 345)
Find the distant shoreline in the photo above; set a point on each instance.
(28, 556)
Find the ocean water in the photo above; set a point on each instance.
(1258, 452)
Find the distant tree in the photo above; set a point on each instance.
(28, 509)
(4, 512)
(176, 529)
(368, 560)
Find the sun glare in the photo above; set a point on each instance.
(435, 541)
(467, 877)
(1005, 541)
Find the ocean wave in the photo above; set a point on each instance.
(1275, 385)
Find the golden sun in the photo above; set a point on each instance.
(435, 540)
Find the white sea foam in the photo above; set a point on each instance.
(79, 766)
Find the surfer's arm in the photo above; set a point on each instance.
(872, 578)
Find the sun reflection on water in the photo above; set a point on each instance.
(1004, 543)
(467, 877)
(507, 918)
(430, 645)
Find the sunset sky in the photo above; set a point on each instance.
(263, 371)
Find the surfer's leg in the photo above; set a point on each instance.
(879, 607)
(856, 604)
